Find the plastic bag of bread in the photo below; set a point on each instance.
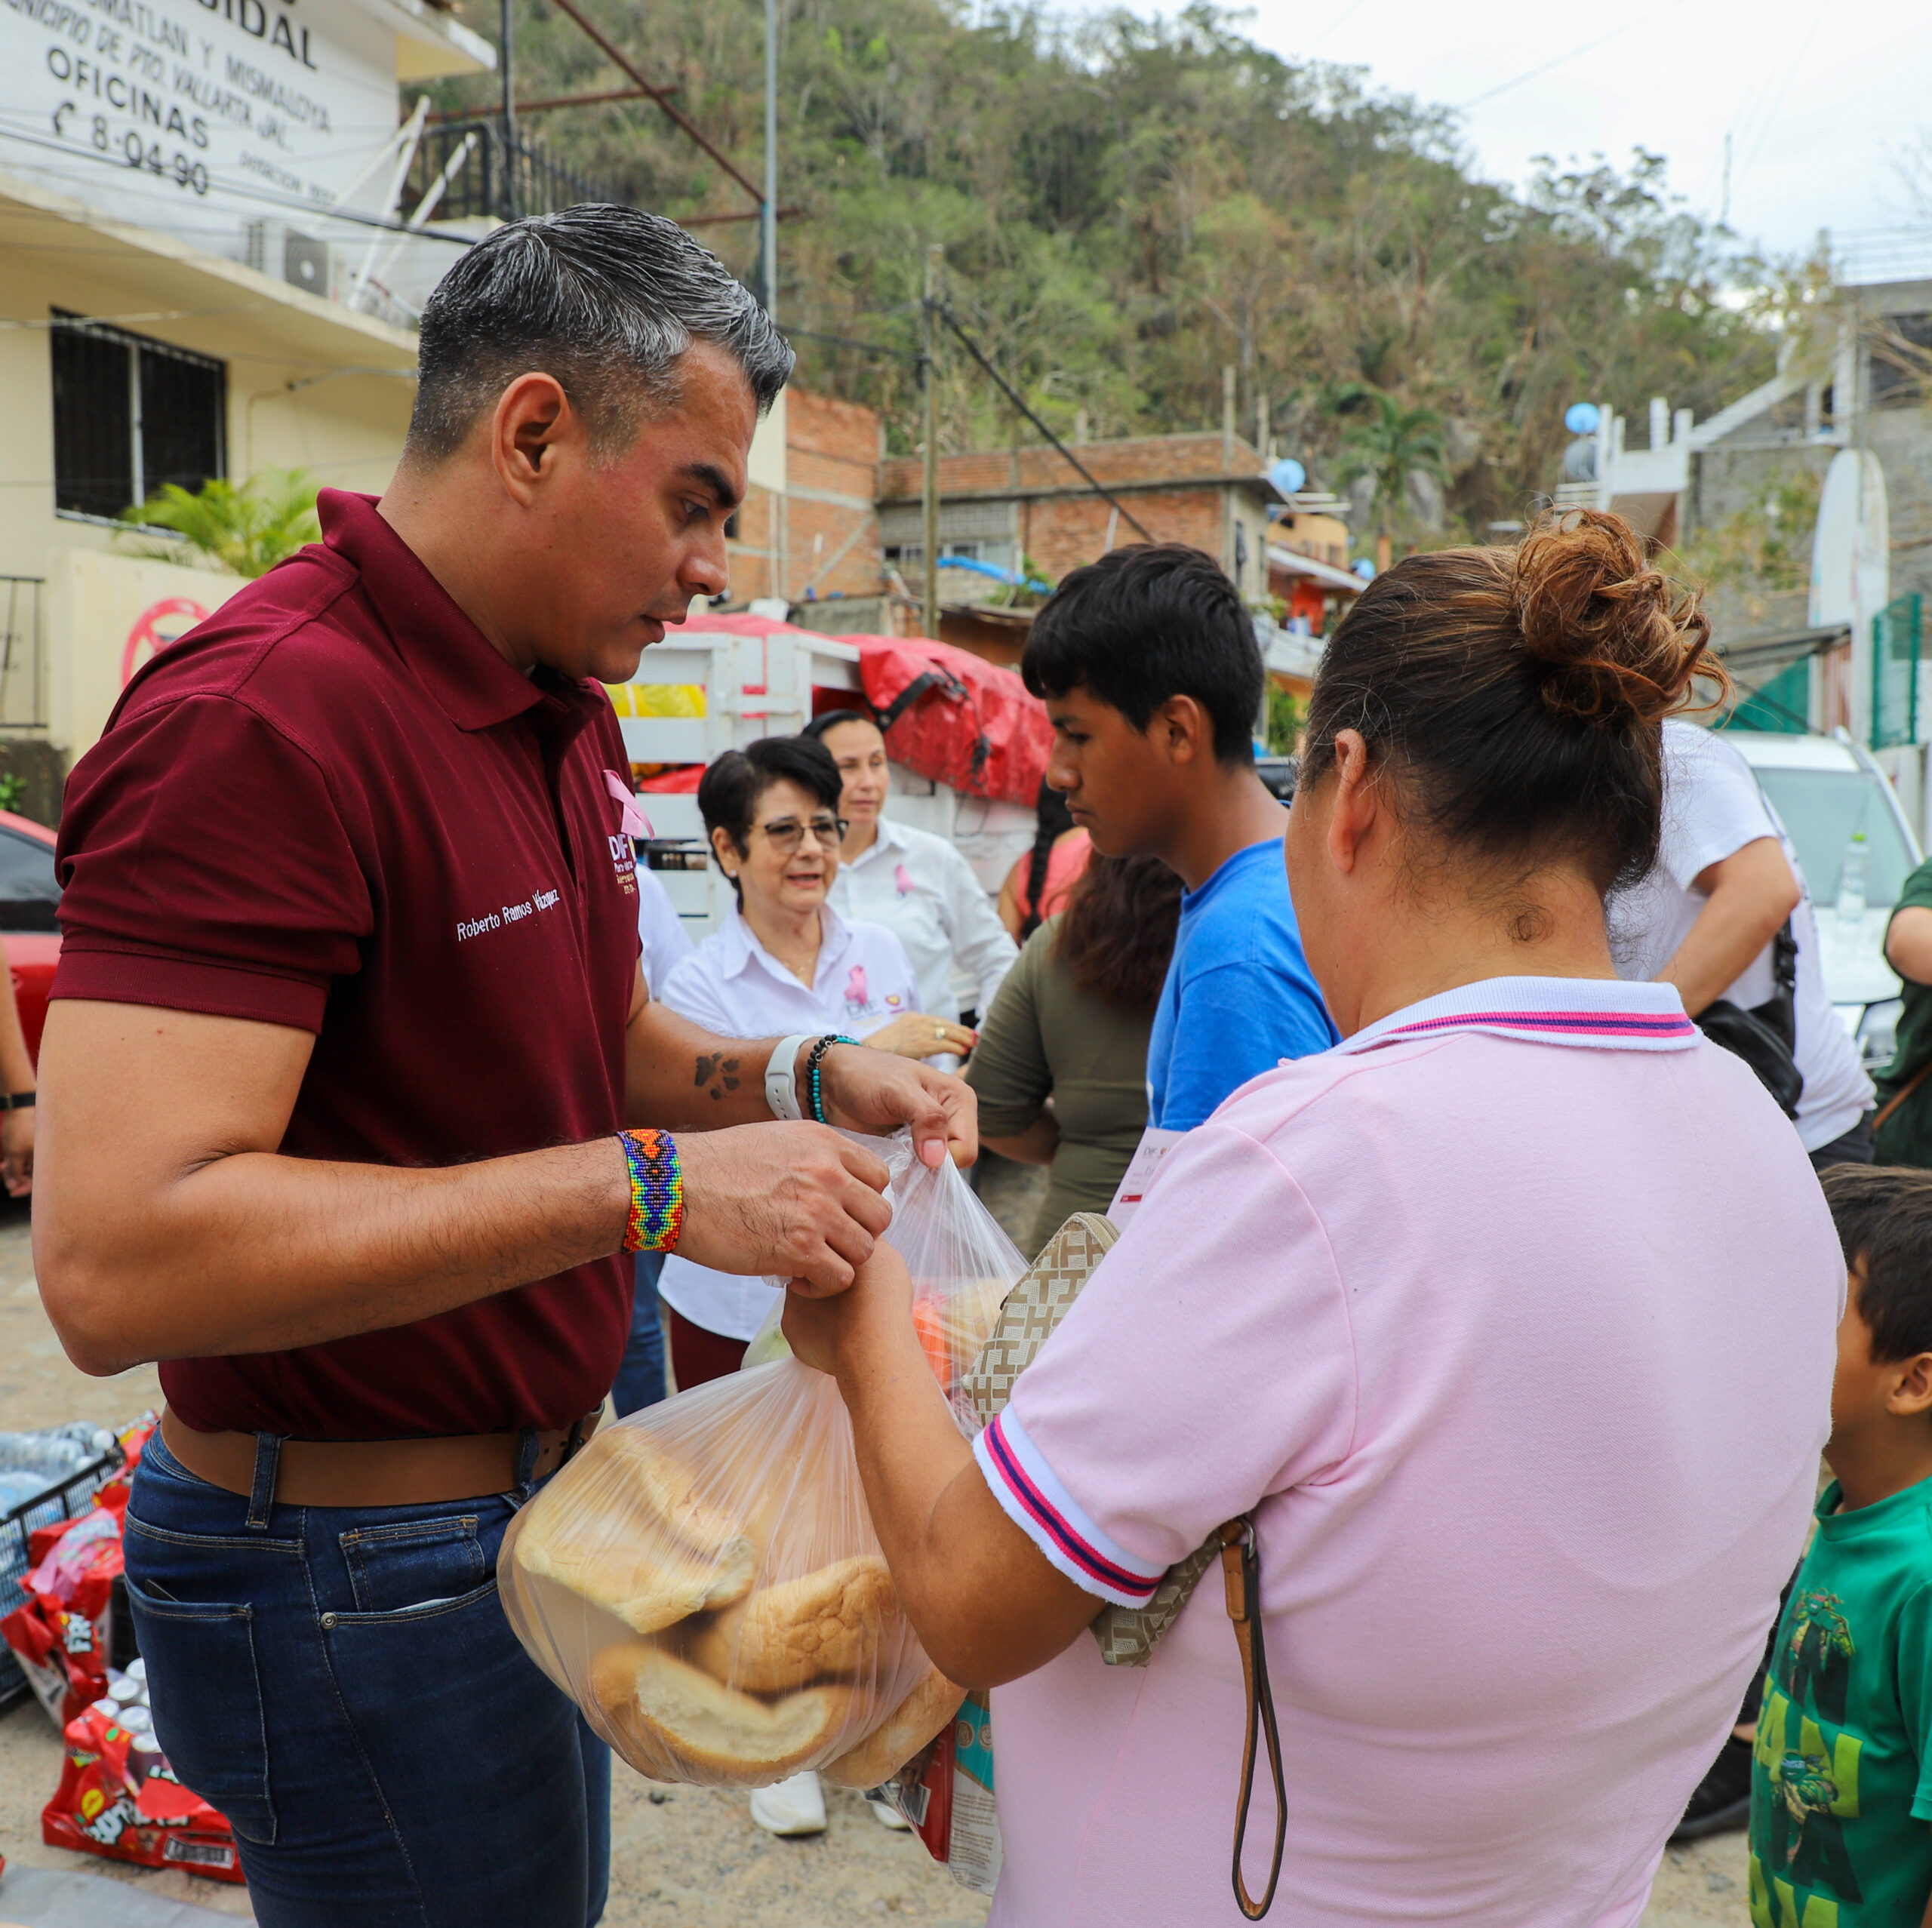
(703, 1578)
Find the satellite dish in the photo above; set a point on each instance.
(1288, 475)
(1581, 418)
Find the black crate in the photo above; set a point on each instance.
(66, 1499)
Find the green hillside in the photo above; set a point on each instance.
(1128, 206)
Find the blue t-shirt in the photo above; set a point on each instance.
(1238, 997)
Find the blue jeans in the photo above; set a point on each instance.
(343, 1685)
(640, 1381)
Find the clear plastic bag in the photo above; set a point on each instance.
(703, 1578)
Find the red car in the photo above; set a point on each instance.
(29, 900)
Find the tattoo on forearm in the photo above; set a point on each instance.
(723, 1070)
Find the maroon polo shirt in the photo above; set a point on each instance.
(333, 806)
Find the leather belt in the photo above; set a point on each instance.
(373, 1472)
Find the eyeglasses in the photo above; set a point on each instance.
(787, 833)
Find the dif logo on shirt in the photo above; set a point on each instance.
(623, 861)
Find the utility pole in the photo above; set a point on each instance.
(929, 371)
(768, 207)
(510, 111)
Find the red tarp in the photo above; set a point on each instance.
(969, 724)
(954, 718)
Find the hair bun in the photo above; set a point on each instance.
(1620, 640)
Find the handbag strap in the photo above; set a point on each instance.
(1904, 1092)
(1241, 1564)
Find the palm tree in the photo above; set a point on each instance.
(246, 530)
(1388, 444)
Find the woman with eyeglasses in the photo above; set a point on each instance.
(783, 963)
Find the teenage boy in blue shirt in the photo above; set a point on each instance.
(1842, 1766)
(1152, 676)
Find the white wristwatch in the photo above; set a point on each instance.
(781, 1075)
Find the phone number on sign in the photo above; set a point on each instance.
(131, 146)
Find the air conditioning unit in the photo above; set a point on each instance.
(272, 247)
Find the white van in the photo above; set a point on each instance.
(1833, 800)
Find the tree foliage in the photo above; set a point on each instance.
(245, 529)
(1129, 204)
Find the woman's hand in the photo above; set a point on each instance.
(16, 1153)
(873, 1311)
(983, 1599)
(916, 1035)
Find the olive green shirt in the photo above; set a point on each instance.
(1044, 1036)
(1906, 1137)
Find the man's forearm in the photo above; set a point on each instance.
(258, 1253)
(680, 1077)
(1750, 892)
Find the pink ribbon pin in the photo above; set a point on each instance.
(855, 987)
(635, 823)
(903, 878)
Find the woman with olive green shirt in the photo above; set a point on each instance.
(1070, 1025)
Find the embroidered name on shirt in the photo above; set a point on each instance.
(475, 927)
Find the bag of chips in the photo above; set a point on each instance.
(703, 1578)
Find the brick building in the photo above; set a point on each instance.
(1026, 506)
(808, 527)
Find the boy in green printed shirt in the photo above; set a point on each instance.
(1841, 1774)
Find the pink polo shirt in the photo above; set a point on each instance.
(1514, 1314)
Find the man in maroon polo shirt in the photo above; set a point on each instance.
(348, 1018)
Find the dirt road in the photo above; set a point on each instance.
(689, 1859)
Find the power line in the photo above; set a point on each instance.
(265, 197)
(1340, 20)
(847, 341)
(944, 311)
(1575, 52)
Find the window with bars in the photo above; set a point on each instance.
(129, 415)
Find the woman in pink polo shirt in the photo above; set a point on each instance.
(1508, 1320)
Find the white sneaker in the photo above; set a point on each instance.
(887, 1815)
(796, 1807)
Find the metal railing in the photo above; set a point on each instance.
(1895, 646)
(24, 678)
(493, 175)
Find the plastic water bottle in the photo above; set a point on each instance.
(1851, 878)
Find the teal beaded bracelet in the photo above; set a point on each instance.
(814, 1078)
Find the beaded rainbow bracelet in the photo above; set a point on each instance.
(657, 1191)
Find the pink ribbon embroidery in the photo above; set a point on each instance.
(903, 878)
(634, 822)
(856, 994)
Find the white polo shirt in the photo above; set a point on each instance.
(1712, 808)
(732, 985)
(923, 891)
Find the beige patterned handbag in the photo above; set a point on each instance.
(1127, 1635)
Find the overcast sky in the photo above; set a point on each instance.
(1821, 98)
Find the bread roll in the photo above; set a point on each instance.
(634, 1462)
(674, 1722)
(627, 1536)
(826, 1623)
(904, 1731)
(642, 1575)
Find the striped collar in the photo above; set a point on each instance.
(1603, 1012)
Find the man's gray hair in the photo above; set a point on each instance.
(607, 299)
